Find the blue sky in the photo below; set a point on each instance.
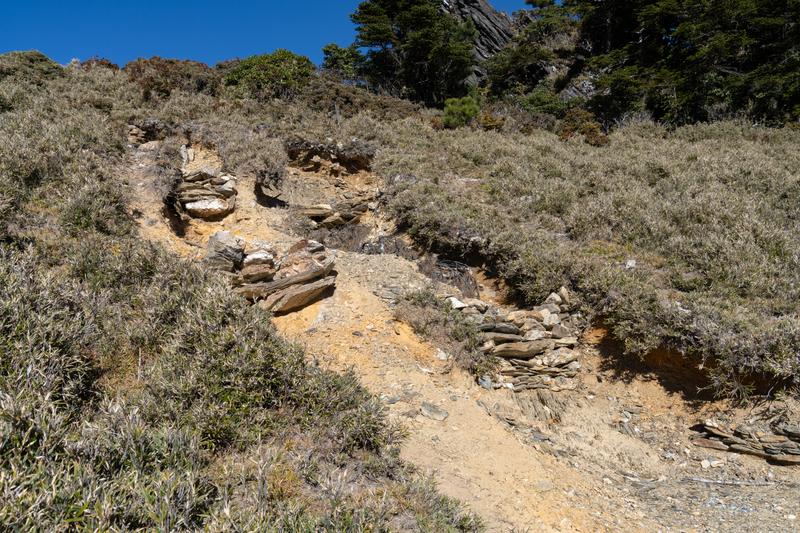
(201, 30)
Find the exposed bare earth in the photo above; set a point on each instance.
(619, 459)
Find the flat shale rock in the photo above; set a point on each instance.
(297, 296)
(522, 350)
(224, 252)
(433, 412)
(773, 444)
(210, 208)
(501, 338)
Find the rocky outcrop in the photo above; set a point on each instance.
(345, 211)
(300, 277)
(778, 445)
(206, 194)
(147, 130)
(495, 29)
(350, 157)
(535, 348)
(203, 190)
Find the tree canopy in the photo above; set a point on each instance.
(681, 61)
(413, 49)
(687, 60)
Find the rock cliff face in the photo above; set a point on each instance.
(495, 29)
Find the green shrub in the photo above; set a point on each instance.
(459, 112)
(414, 50)
(344, 63)
(544, 99)
(280, 74)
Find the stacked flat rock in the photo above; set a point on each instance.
(535, 347)
(346, 211)
(207, 194)
(779, 444)
(287, 284)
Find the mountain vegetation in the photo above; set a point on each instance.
(678, 61)
(136, 391)
(643, 155)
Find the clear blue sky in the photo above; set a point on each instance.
(201, 30)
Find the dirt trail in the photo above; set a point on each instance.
(587, 473)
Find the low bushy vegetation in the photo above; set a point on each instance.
(684, 239)
(433, 318)
(459, 112)
(136, 393)
(158, 77)
(281, 74)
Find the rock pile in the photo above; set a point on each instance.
(535, 347)
(338, 157)
(203, 190)
(206, 194)
(780, 445)
(146, 131)
(346, 211)
(282, 285)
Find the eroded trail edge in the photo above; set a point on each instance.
(609, 452)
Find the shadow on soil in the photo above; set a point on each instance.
(676, 373)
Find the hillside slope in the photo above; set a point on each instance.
(140, 389)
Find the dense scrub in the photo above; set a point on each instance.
(686, 239)
(135, 391)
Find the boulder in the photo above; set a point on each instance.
(296, 297)
(210, 209)
(224, 252)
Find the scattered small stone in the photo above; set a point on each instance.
(559, 331)
(554, 298)
(433, 412)
(456, 304)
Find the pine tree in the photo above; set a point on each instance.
(414, 49)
